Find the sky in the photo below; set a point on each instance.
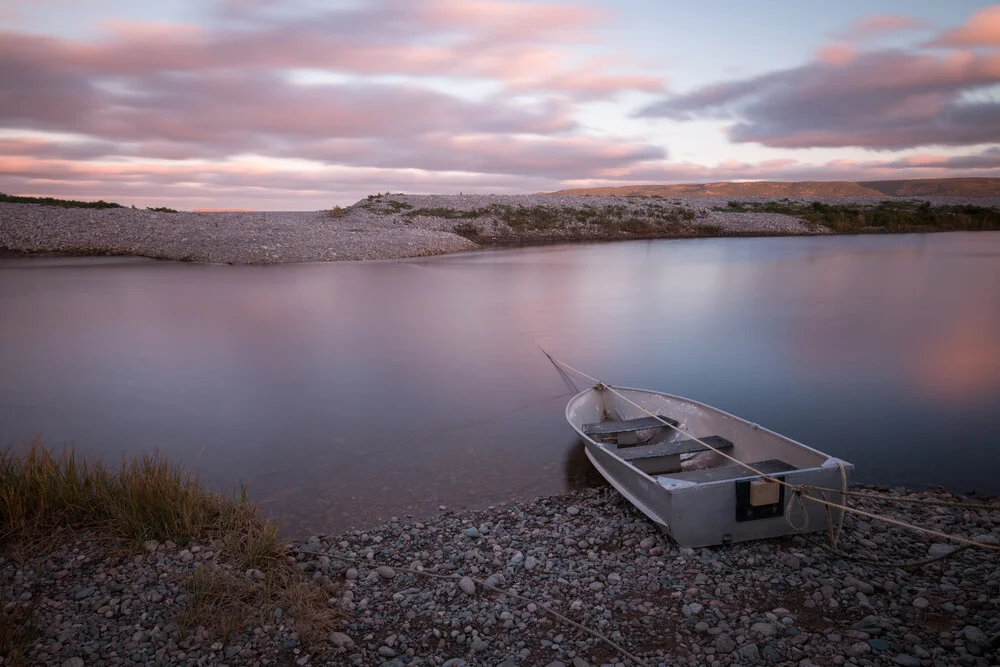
(306, 104)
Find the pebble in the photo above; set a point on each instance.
(605, 566)
(467, 585)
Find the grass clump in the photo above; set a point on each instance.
(887, 216)
(446, 213)
(162, 209)
(145, 498)
(18, 628)
(46, 493)
(51, 201)
(336, 212)
(468, 230)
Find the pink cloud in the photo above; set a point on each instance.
(836, 54)
(877, 25)
(510, 42)
(882, 99)
(982, 29)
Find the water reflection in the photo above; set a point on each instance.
(579, 472)
(348, 393)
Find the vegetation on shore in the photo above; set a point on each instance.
(63, 203)
(74, 203)
(651, 219)
(887, 216)
(47, 496)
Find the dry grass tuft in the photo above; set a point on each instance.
(145, 498)
(45, 492)
(17, 628)
(336, 212)
(225, 601)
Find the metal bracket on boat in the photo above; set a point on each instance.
(760, 499)
(601, 386)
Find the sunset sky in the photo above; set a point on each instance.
(304, 104)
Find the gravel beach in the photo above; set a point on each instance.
(383, 227)
(587, 555)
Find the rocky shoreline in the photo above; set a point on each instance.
(587, 555)
(388, 227)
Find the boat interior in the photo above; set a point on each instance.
(654, 446)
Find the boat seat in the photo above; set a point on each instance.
(732, 471)
(675, 448)
(627, 425)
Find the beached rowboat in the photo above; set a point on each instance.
(697, 495)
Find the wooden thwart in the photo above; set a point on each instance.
(627, 425)
(675, 448)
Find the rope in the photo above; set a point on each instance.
(906, 564)
(902, 499)
(793, 487)
(454, 577)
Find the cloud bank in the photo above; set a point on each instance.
(299, 105)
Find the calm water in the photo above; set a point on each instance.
(347, 393)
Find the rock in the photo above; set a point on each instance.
(386, 652)
(725, 644)
(467, 585)
(859, 585)
(580, 662)
(878, 644)
(479, 644)
(764, 629)
(148, 545)
(647, 543)
(75, 661)
(596, 586)
(750, 653)
(572, 511)
(939, 549)
(975, 636)
(771, 654)
(340, 640)
(906, 660)
(351, 574)
(186, 556)
(471, 532)
(386, 572)
(530, 563)
(455, 662)
(496, 580)
(921, 603)
(84, 593)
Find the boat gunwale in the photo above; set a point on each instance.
(656, 480)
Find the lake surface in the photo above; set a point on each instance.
(347, 393)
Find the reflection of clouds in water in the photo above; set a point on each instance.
(928, 317)
(963, 362)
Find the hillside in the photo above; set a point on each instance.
(938, 187)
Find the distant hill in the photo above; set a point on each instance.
(940, 187)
